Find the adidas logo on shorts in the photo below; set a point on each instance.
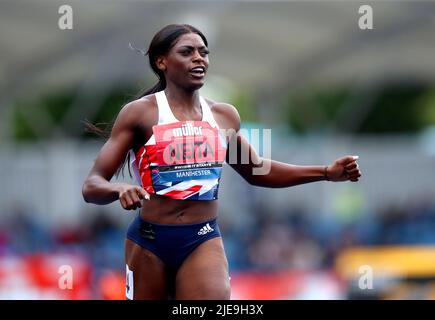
(205, 229)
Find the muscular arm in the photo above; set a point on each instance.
(269, 173)
(97, 187)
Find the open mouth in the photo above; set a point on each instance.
(198, 72)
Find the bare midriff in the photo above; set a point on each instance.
(164, 210)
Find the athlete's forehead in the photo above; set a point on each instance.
(189, 40)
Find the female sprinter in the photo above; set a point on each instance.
(175, 136)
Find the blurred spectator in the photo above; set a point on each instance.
(272, 243)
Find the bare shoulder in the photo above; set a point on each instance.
(138, 112)
(225, 114)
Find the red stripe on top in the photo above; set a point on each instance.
(187, 147)
(182, 194)
(144, 168)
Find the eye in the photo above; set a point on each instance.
(186, 52)
(204, 52)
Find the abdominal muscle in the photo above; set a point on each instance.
(165, 210)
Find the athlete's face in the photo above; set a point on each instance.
(187, 62)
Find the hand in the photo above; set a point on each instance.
(344, 169)
(130, 196)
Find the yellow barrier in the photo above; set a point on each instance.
(396, 261)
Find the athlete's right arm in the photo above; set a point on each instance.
(97, 187)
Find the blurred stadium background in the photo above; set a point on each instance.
(304, 69)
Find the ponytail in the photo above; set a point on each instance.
(159, 86)
(103, 130)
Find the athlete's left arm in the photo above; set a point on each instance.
(263, 172)
(269, 173)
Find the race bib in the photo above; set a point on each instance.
(188, 150)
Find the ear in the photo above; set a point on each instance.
(161, 63)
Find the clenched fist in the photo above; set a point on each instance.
(130, 196)
(343, 169)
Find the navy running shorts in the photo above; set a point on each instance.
(174, 242)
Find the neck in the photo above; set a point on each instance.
(182, 98)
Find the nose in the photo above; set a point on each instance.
(197, 56)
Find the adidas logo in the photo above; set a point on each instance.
(205, 229)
